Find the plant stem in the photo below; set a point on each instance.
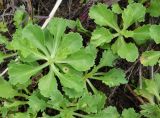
(100, 73)
(79, 115)
(10, 55)
(92, 87)
(22, 95)
(56, 71)
(115, 35)
(16, 103)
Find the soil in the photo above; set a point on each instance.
(121, 97)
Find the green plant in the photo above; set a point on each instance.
(3, 27)
(116, 34)
(151, 91)
(62, 68)
(62, 54)
(106, 20)
(154, 9)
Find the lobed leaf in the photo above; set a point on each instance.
(150, 58)
(35, 36)
(154, 8)
(109, 112)
(116, 8)
(86, 103)
(103, 16)
(141, 34)
(135, 12)
(6, 90)
(73, 81)
(113, 78)
(48, 85)
(21, 73)
(107, 59)
(36, 104)
(150, 111)
(127, 51)
(19, 16)
(100, 36)
(70, 44)
(78, 61)
(56, 27)
(154, 32)
(130, 113)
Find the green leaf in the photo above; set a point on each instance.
(86, 103)
(107, 59)
(153, 88)
(80, 27)
(35, 103)
(141, 34)
(4, 112)
(127, 51)
(69, 70)
(3, 27)
(73, 81)
(70, 44)
(57, 26)
(130, 1)
(17, 37)
(6, 90)
(48, 85)
(154, 32)
(150, 111)
(150, 58)
(103, 16)
(116, 8)
(117, 44)
(150, 89)
(157, 80)
(78, 61)
(154, 8)
(134, 12)
(21, 73)
(100, 36)
(67, 113)
(130, 113)
(144, 92)
(3, 40)
(72, 93)
(2, 56)
(19, 16)
(24, 47)
(91, 50)
(22, 115)
(35, 36)
(113, 78)
(109, 112)
(127, 33)
(58, 101)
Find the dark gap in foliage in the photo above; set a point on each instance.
(51, 111)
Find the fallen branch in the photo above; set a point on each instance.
(51, 15)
